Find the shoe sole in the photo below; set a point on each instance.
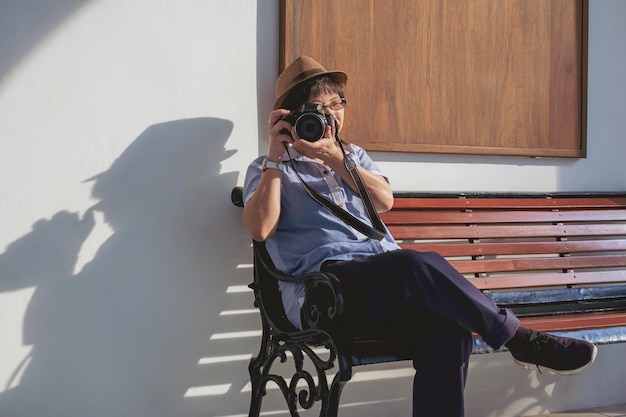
(532, 366)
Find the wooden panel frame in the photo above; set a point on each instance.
(490, 77)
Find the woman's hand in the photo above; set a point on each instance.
(279, 134)
(324, 149)
(327, 150)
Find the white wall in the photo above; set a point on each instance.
(123, 127)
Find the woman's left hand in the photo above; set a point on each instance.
(324, 149)
(327, 151)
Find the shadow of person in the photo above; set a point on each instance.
(103, 337)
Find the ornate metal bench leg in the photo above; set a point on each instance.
(305, 396)
(334, 395)
(339, 381)
(254, 368)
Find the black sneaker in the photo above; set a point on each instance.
(561, 355)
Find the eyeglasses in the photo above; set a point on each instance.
(335, 105)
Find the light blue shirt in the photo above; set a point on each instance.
(309, 234)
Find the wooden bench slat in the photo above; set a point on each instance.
(518, 248)
(397, 217)
(581, 295)
(547, 279)
(499, 231)
(503, 203)
(575, 321)
(537, 264)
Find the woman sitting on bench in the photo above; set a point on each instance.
(285, 196)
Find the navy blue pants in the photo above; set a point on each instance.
(408, 290)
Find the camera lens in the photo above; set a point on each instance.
(310, 126)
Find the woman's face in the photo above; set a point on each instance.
(325, 102)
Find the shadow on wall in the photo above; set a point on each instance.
(24, 23)
(125, 335)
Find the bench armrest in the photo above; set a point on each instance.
(323, 299)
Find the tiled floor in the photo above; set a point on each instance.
(614, 411)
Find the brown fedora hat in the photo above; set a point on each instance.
(302, 69)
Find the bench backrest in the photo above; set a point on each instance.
(569, 247)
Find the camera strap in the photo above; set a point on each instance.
(379, 231)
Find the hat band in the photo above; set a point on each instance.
(304, 75)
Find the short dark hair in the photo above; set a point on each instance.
(324, 84)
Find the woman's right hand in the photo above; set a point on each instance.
(279, 134)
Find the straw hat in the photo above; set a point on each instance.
(302, 69)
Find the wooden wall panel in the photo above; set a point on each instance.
(501, 77)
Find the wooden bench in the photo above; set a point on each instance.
(557, 260)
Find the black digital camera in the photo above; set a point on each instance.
(310, 124)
